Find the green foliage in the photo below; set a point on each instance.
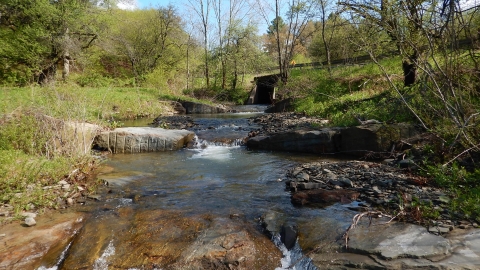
(26, 133)
(22, 178)
(347, 93)
(34, 36)
(93, 80)
(462, 187)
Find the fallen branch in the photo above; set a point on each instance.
(457, 156)
(370, 215)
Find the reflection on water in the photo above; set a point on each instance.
(216, 178)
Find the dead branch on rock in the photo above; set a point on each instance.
(370, 215)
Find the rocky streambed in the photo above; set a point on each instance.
(144, 226)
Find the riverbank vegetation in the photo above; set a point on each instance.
(89, 61)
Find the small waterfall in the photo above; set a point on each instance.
(293, 259)
(102, 262)
(213, 150)
(202, 144)
(59, 261)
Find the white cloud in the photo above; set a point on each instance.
(466, 4)
(127, 4)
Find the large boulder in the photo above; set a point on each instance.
(200, 108)
(307, 141)
(359, 140)
(375, 137)
(142, 139)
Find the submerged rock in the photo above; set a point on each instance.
(169, 240)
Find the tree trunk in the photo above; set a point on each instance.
(66, 66)
(409, 70)
(47, 75)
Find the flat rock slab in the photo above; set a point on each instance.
(398, 240)
(142, 139)
(29, 247)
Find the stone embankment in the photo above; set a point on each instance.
(142, 139)
(298, 133)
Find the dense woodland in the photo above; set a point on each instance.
(214, 44)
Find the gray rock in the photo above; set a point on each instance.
(398, 240)
(30, 221)
(29, 214)
(303, 176)
(62, 182)
(376, 137)
(345, 182)
(95, 197)
(288, 235)
(376, 190)
(439, 230)
(305, 141)
(142, 139)
(306, 186)
(335, 183)
(272, 221)
(331, 176)
(406, 163)
(200, 108)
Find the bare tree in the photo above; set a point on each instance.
(298, 14)
(327, 39)
(202, 9)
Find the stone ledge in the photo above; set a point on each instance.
(142, 139)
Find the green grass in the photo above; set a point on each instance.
(84, 103)
(359, 90)
(463, 188)
(365, 92)
(24, 176)
(35, 151)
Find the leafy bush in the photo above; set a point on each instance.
(93, 80)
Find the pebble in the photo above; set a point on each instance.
(439, 229)
(380, 184)
(30, 221)
(3, 235)
(70, 201)
(29, 214)
(62, 182)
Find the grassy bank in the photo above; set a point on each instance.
(348, 93)
(447, 158)
(37, 149)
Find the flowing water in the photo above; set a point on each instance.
(209, 179)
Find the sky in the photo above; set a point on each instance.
(131, 4)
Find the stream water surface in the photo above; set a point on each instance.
(209, 179)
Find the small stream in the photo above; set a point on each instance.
(209, 179)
